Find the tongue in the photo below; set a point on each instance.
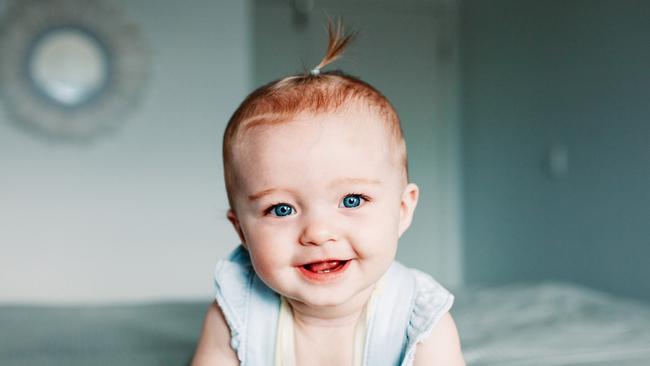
(323, 266)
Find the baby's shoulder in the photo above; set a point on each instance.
(249, 307)
(214, 344)
(428, 295)
(429, 303)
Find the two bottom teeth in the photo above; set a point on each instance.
(324, 267)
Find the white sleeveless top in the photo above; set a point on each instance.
(398, 317)
(285, 353)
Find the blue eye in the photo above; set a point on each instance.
(352, 200)
(282, 210)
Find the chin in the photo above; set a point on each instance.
(323, 298)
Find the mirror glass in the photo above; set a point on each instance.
(68, 66)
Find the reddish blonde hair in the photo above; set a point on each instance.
(313, 92)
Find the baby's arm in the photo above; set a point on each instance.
(214, 346)
(442, 347)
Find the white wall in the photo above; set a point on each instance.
(139, 214)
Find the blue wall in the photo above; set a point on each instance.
(573, 74)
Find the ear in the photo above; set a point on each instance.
(232, 217)
(407, 206)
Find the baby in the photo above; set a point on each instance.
(316, 174)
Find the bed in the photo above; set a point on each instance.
(134, 334)
(541, 324)
(551, 324)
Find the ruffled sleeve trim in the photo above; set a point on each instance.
(233, 280)
(430, 303)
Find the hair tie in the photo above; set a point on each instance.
(315, 71)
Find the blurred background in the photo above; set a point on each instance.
(527, 124)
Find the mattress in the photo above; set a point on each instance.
(551, 324)
(125, 334)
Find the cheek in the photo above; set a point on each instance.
(269, 236)
(377, 232)
(268, 247)
(266, 264)
(263, 266)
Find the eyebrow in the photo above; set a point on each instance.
(262, 193)
(355, 181)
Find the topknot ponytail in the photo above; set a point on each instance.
(337, 41)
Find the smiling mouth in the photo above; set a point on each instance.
(325, 266)
(324, 271)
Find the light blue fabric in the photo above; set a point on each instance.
(406, 309)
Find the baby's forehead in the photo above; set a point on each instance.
(354, 116)
(308, 140)
(314, 138)
(262, 140)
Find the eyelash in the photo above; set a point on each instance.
(273, 206)
(363, 197)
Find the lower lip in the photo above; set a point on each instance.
(325, 276)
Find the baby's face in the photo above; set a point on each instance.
(320, 203)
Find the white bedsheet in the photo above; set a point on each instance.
(551, 324)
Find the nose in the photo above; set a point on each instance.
(318, 231)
